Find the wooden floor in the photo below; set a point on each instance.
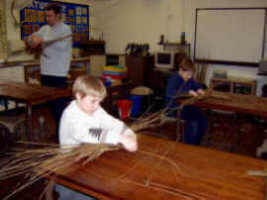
(30, 193)
(48, 134)
(236, 134)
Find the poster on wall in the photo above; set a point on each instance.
(74, 15)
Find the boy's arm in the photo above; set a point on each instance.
(118, 132)
(70, 132)
(197, 88)
(174, 83)
(196, 85)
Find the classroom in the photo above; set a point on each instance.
(152, 99)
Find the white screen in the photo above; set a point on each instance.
(230, 35)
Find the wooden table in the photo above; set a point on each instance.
(31, 94)
(168, 170)
(239, 103)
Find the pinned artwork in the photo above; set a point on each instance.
(71, 12)
(78, 11)
(78, 20)
(41, 16)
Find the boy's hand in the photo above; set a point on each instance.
(200, 92)
(193, 93)
(129, 142)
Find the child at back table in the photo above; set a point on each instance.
(182, 82)
(85, 121)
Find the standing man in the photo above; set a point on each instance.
(56, 50)
(55, 40)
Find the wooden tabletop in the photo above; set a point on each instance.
(168, 170)
(36, 62)
(237, 103)
(31, 93)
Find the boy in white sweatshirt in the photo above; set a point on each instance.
(85, 121)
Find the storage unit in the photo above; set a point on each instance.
(90, 47)
(79, 66)
(235, 85)
(97, 62)
(139, 68)
(177, 47)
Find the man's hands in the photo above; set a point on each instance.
(34, 41)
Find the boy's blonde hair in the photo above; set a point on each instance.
(89, 85)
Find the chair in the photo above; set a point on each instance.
(174, 127)
(12, 126)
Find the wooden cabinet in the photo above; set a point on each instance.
(139, 69)
(92, 47)
(157, 80)
(97, 63)
(235, 85)
(79, 66)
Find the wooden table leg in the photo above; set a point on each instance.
(30, 131)
(178, 126)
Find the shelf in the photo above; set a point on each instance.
(177, 47)
(235, 85)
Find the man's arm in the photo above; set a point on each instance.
(35, 40)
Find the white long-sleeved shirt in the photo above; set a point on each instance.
(77, 127)
(56, 57)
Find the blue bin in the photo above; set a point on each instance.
(137, 105)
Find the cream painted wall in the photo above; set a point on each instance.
(139, 21)
(143, 21)
(13, 34)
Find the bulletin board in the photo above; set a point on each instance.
(74, 15)
(234, 36)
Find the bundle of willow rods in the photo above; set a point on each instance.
(41, 162)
